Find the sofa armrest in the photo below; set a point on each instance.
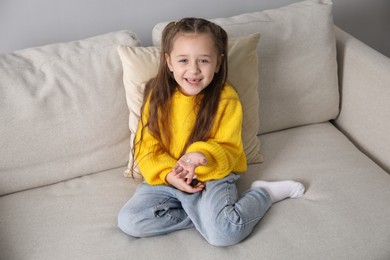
(364, 78)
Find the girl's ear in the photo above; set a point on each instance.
(169, 62)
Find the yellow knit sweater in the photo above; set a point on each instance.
(224, 150)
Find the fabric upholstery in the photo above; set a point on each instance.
(344, 213)
(63, 111)
(365, 107)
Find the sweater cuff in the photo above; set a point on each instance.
(163, 176)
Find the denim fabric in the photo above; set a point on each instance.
(218, 213)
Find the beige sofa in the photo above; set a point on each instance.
(324, 120)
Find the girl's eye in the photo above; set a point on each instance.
(203, 61)
(183, 61)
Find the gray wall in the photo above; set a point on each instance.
(367, 20)
(28, 23)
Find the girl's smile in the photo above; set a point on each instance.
(193, 61)
(194, 82)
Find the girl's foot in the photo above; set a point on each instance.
(280, 190)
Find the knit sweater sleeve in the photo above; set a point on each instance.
(153, 163)
(224, 150)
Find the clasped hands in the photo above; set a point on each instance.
(183, 173)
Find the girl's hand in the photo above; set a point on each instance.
(188, 163)
(175, 180)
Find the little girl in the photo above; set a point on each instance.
(188, 145)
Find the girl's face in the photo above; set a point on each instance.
(193, 60)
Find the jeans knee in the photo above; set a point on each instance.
(223, 240)
(127, 224)
(226, 234)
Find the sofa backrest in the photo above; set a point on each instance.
(298, 82)
(63, 112)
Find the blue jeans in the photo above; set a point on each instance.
(217, 212)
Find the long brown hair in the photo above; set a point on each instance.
(161, 88)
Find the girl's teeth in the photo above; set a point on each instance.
(193, 80)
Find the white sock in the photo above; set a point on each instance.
(280, 190)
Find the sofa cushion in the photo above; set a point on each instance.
(141, 64)
(344, 213)
(63, 111)
(298, 71)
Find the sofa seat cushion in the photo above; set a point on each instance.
(63, 111)
(344, 213)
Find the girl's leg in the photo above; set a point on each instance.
(153, 210)
(221, 216)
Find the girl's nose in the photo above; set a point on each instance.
(194, 67)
